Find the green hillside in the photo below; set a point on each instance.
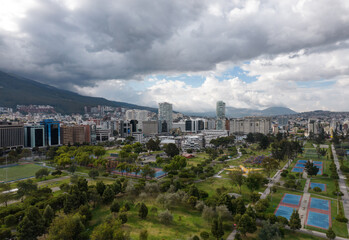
(17, 90)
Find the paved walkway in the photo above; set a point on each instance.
(304, 204)
(274, 180)
(342, 186)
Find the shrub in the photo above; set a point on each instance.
(42, 172)
(341, 218)
(93, 173)
(339, 193)
(291, 176)
(317, 189)
(57, 172)
(10, 220)
(204, 235)
(283, 174)
(165, 217)
(123, 217)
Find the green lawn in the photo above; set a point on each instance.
(199, 158)
(19, 172)
(289, 235)
(186, 222)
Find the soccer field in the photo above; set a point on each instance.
(19, 172)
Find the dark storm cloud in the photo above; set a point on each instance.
(128, 39)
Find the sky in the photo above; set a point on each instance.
(191, 53)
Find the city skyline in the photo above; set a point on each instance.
(253, 61)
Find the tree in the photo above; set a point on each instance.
(311, 169)
(192, 201)
(148, 171)
(295, 221)
(109, 230)
(269, 231)
(5, 195)
(5, 233)
(217, 228)
(254, 181)
(26, 188)
(143, 235)
(26, 153)
(115, 206)
(100, 186)
(330, 234)
(237, 179)
(99, 151)
(93, 173)
(143, 211)
(48, 215)
(42, 172)
(108, 195)
(204, 235)
(269, 164)
(32, 225)
(171, 150)
(264, 142)
(246, 224)
(66, 227)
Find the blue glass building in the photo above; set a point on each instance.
(52, 132)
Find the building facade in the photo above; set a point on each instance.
(34, 136)
(165, 117)
(220, 113)
(52, 132)
(11, 136)
(250, 125)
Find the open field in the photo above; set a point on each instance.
(18, 172)
(185, 222)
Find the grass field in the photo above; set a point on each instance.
(186, 223)
(19, 172)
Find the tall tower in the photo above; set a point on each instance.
(165, 117)
(220, 112)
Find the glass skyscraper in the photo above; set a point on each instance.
(165, 117)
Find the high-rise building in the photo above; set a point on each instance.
(34, 136)
(11, 135)
(165, 117)
(52, 132)
(220, 112)
(220, 109)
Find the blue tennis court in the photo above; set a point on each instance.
(302, 161)
(301, 165)
(317, 162)
(320, 220)
(319, 172)
(296, 169)
(319, 204)
(322, 186)
(284, 211)
(291, 199)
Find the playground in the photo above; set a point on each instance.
(244, 170)
(158, 173)
(18, 172)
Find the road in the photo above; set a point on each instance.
(342, 185)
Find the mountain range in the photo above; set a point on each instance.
(16, 90)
